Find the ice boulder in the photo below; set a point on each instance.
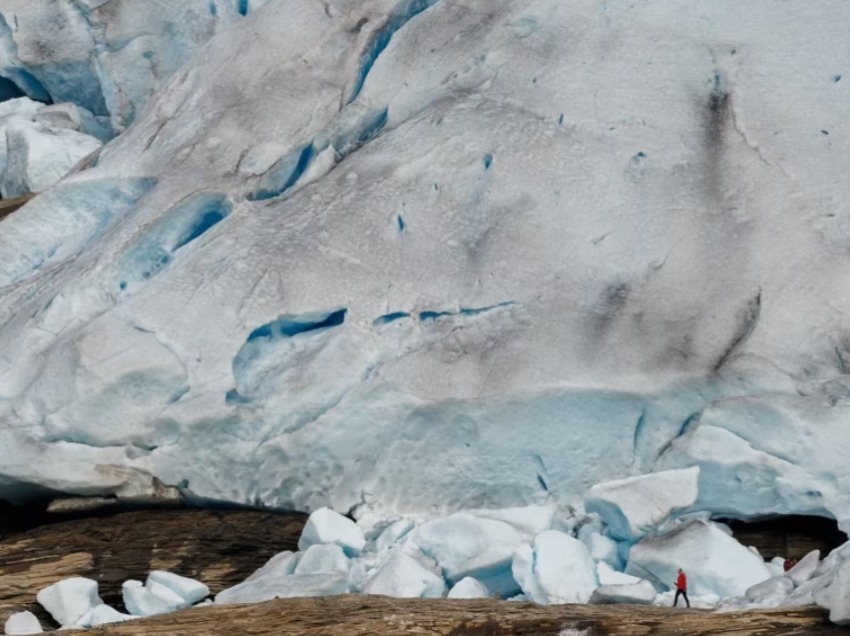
(103, 615)
(326, 526)
(323, 559)
(602, 548)
(393, 533)
(281, 564)
(776, 566)
(151, 599)
(469, 588)
(556, 569)
(37, 157)
(835, 596)
(608, 576)
(190, 590)
(480, 544)
(403, 576)
(641, 593)
(714, 562)
(805, 568)
(636, 506)
(22, 623)
(69, 600)
(775, 585)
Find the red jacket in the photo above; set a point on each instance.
(682, 582)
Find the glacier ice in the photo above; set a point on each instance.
(636, 506)
(103, 615)
(540, 280)
(190, 590)
(805, 568)
(322, 559)
(468, 587)
(714, 562)
(557, 568)
(325, 526)
(404, 576)
(150, 599)
(640, 593)
(774, 586)
(70, 599)
(21, 623)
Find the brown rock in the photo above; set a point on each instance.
(218, 548)
(382, 616)
(7, 206)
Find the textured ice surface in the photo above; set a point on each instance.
(634, 507)
(21, 623)
(557, 568)
(103, 615)
(406, 577)
(480, 544)
(70, 599)
(150, 599)
(547, 244)
(322, 559)
(328, 527)
(714, 562)
(296, 585)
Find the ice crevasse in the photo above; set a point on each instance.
(494, 253)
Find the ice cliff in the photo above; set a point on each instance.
(430, 255)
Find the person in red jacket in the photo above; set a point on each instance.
(681, 588)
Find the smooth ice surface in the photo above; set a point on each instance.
(805, 568)
(70, 599)
(326, 526)
(103, 615)
(556, 569)
(564, 243)
(469, 587)
(323, 559)
(21, 623)
(480, 544)
(714, 562)
(190, 590)
(405, 577)
(151, 599)
(774, 586)
(634, 507)
(641, 593)
(608, 576)
(295, 585)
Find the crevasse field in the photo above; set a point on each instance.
(422, 257)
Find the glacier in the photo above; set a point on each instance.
(423, 257)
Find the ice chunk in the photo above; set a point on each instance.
(292, 586)
(150, 600)
(190, 590)
(393, 533)
(281, 564)
(557, 569)
(480, 545)
(69, 600)
(608, 576)
(327, 526)
(714, 562)
(835, 596)
(37, 158)
(602, 548)
(636, 506)
(22, 623)
(776, 566)
(469, 588)
(804, 569)
(776, 585)
(641, 593)
(323, 559)
(102, 615)
(405, 577)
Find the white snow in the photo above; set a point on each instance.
(326, 526)
(190, 590)
(636, 506)
(70, 599)
(405, 577)
(556, 569)
(714, 562)
(21, 623)
(469, 587)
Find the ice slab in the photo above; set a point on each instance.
(326, 526)
(70, 599)
(642, 593)
(469, 587)
(714, 562)
(103, 615)
(556, 569)
(190, 590)
(323, 559)
(405, 577)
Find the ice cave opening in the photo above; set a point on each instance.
(788, 536)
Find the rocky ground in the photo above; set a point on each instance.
(223, 548)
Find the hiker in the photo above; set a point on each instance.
(681, 588)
